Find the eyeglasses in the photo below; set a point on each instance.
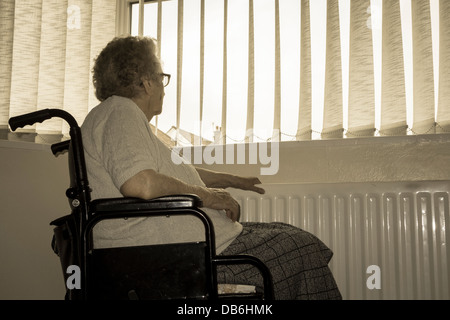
(165, 79)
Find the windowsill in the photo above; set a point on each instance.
(435, 137)
(30, 140)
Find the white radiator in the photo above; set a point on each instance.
(400, 227)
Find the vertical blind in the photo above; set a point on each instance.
(368, 68)
(47, 52)
(243, 69)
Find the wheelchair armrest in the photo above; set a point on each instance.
(128, 207)
(135, 204)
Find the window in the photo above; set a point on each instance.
(242, 70)
(312, 69)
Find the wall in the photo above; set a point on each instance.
(408, 158)
(33, 184)
(32, 194)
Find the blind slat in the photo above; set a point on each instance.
(179, 60)
(158, 42)
(443, 114)
(202, 62)
(251, 75)
(141, 18)
(102, 31)
(423, 75)
(223, 130)
(305, 105)
(77, 71)
(332, 113)
(393, 96)
(52, 62)
(277, 94)
(361, 96)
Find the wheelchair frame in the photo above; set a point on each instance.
(86, 214)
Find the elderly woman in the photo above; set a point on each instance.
(125, 158)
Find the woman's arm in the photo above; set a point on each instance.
(222, 180)
(149, 184)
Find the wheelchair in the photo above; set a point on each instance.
(185, 271)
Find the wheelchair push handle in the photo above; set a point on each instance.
(40, 116)
(29, 119)
(76, 140)
(60, 147)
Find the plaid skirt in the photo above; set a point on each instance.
(298, 262)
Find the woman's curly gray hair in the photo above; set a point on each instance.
(122, 64)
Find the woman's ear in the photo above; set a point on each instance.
(148, 87)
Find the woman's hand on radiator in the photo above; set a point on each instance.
(248, 183)
(213, 179)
